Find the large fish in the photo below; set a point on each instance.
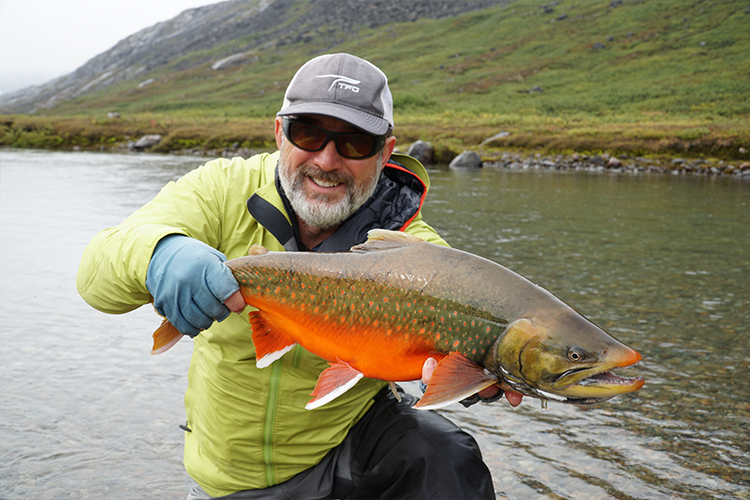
(386, 306)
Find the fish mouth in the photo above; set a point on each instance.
(593, 385)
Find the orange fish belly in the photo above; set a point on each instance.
(338, 335)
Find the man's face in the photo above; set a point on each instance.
(323, 187)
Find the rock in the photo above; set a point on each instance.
(467, 159)
(422, 151)
(146, 82)
(113, 114)
(234, 60)
(499, 135)
(598, 160)
(562, 17)
(598, 45)
(147, 141)
(614, 163)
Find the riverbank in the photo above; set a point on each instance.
(620, 164)
(512, 142)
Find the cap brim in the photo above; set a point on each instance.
(367, 122)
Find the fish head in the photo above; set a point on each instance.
(562, 357)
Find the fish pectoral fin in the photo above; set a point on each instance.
(454, 379)
(383, 239)
(394, 390)
(270, 344)
(165, 337)
(332, 383)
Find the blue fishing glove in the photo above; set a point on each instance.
(189, 283)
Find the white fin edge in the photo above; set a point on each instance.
(394, 390)
(333, 394)
(268, 359)
(165, 347)
(437, 406)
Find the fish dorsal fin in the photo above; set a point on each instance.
(454, 379)
(332, 383)
(257, 249)
(383, 239)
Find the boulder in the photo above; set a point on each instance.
(147, 141)
(422, 151)
(467, 159)
(614, 162)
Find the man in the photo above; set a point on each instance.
(334, 178)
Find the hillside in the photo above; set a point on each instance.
(202, 36)
(632, 76)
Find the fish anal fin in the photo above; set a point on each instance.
(270, 344)
(384, 239)
(455, 378)
(332, 383)
(165, 337)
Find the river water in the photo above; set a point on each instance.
(661, 262)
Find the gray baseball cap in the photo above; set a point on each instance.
(342, 86)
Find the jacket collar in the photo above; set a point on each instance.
(397, 200)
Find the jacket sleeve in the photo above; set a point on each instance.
(423, 231)
(112, 273)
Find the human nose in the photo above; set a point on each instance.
(328, 158)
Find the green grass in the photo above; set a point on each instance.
(673, 79)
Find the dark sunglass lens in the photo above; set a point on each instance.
(355, 145)
(305, 136)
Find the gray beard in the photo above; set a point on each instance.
(317, 211)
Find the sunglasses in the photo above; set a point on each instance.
(353, 145)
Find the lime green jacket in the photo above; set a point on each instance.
(249, 426)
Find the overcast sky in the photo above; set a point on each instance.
(43, 39)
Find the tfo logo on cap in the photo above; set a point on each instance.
(343, 82)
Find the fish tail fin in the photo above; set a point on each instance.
(332, 383)
(270, 344)
(454, 379)
(165, 337)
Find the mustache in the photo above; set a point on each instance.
(318, 173)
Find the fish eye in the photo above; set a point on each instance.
(576, 354)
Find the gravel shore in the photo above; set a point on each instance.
(620, 164)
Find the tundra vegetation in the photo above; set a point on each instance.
(626, 77)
